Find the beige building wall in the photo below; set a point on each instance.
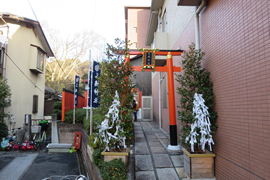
(137, 24)
(24, 56)
(177, 19)
(174, 20)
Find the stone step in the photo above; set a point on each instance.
(59, 148)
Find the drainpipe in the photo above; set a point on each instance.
(159, 103)
(197, 30)
(6, 50)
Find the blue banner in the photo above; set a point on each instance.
(96, 74)
(76, 90)
(89, 86)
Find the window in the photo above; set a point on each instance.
(164, 22)
(35, 104)
(1, 61)
(135, 29)
(40, 60)
(1, 58)
(164, 93)
(134, 45)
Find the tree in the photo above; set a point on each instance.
(194, 80)
(69, 52)
(5, 95)
(116, 77)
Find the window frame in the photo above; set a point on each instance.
(40, 59)
(164, 21)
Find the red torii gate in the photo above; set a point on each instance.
(169, 69)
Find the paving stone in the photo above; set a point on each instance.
(138, 132)
(162, 160)
(154, 144)
(178, 161)
(141, 150)
(157, 131)
(161, 136)
(143, 162)
(173, 152)
(167, 173)
(140, 144)
(149, 133)
(152, 140)
(181, 172)
(158, 150)
(139, 135)
(150, 136)
(165, 142)
(140, 139)
(145, 175)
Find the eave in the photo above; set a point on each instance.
(36, 26)
(153, 22)
(189, 2)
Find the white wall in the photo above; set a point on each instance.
(20, 51)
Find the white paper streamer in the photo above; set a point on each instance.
(200, 111)
(106, 136)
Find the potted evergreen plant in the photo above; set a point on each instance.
(197, 116)
(116, 96)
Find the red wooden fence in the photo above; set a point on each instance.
(68, 101)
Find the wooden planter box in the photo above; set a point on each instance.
(199, 165)
(108, 156)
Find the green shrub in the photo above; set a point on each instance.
(114, 170)
(194, 79)
(57, 105)
(79, 116)
(5, 95)
(91, 141)
(3, 131)
(97, 157)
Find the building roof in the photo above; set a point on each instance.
(36, 26)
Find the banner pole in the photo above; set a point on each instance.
(91, 103)
(74, 100)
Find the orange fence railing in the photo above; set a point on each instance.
(68, 102)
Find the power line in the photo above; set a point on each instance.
(23, 72)
(32, 10)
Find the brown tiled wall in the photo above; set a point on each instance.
(235, 35)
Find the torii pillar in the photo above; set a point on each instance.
(170, 69)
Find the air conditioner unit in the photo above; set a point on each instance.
(161, 40)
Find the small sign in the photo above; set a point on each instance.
(148, 61)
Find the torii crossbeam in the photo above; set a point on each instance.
(170, 69)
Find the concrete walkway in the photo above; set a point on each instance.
(31, 165)
(152, 158)
(18, 164)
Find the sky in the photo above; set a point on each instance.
(105, 17)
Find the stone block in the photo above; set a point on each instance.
(167, 173)
(178, 161)
(143, 163)
(145, 175)
(162, 161)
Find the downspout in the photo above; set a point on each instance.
(197, 29)
(159, 79)
(5, 74)
(159, 100)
